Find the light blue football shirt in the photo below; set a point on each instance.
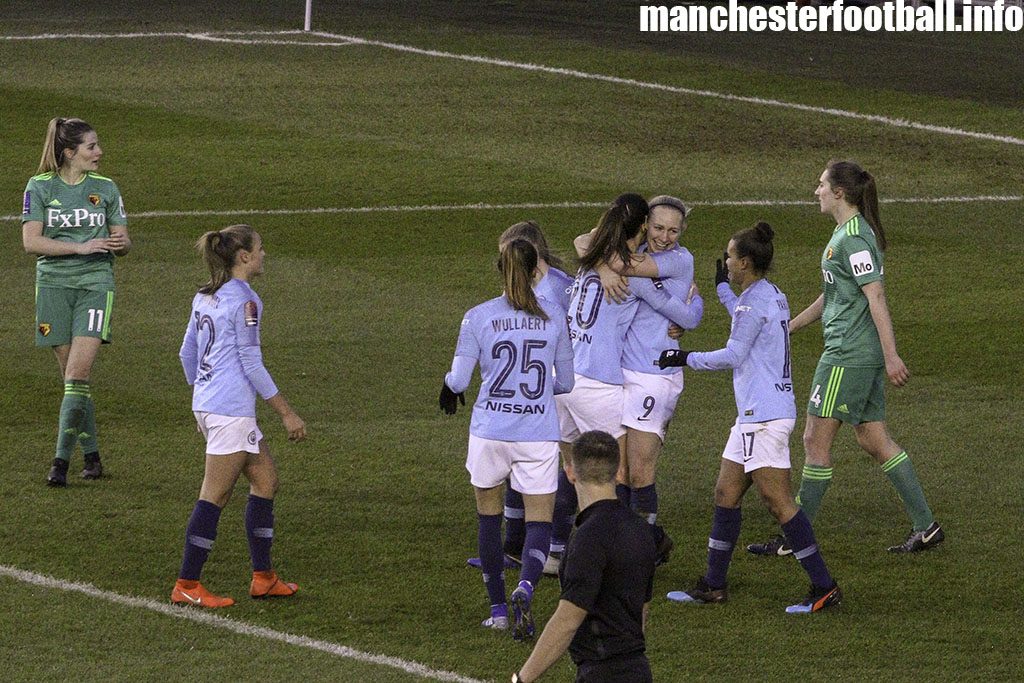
(757, 352)
(647, 335)
(598, 328)
(221, 355)
(556, 287)
(524, 361)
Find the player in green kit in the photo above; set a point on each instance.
(73, 220)
(860, 352)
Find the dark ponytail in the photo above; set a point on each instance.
(619, 224)
(860, 189)
(218, 248)
(756, 244)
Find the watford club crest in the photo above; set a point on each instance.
(44, 329)
(94, 199)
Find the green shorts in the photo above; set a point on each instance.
(852, 395)
(63, 313)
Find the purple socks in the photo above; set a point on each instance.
(805, 548)
(535, 551)
(492, 560)
(565, 511)
(259, 527)
(199, 536)
(725, 530)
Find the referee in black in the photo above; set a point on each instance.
(607, 575)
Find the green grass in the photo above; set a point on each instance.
(375, 515)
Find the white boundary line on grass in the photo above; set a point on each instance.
(526, 66)
(209, 36)
(239, 627)
(715, 203)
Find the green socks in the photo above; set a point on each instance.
(813, 485)
(73, 411)
(87, 435)
(901, 473)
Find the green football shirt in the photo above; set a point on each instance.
(850, 261)
(74, 213)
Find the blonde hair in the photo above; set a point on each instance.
(517, 263)
(61, 134)
(218, 248)
(531, 232)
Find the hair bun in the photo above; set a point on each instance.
(764, 231)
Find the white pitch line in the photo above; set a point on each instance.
(713, 203)
(241, 41)
(526, 66)
(215, 37)
(239, 627)
(559, 71)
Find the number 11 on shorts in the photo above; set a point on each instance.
(95, 319)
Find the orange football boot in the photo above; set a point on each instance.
(269, 585)
(192, 594)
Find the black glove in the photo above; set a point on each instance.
(672, 358)
(448, 398)
(721, 272)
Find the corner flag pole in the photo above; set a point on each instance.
(309, 15)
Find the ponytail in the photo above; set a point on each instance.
(619, 224)
(61, 134)
(517, 264)
(869, 207)
(860, 189)
(755, 243)
(218, 248)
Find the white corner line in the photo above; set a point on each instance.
(216, 621)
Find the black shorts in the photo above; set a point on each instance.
(630, 669)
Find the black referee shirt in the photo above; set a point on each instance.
(608, 570)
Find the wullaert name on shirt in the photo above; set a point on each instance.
(512, 324)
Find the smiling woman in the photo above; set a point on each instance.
(73, 220)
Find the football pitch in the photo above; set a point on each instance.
(380, 157)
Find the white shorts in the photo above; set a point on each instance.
(649, 400)
(226, 434)
(533, 465)
(759, 444)
(590, 405)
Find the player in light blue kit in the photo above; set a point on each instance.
(598, 325)
(221, 357)
(555, 286)
(650, 393)
(758, 448)
(522, 345)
